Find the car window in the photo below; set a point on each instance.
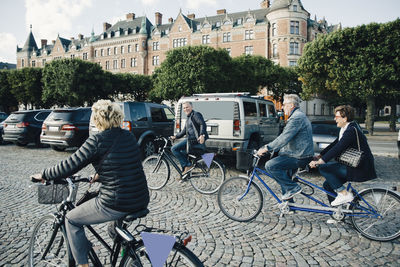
(138, 112)
(250, 109)
(41, 116)
(271, 111)
(263, 109)
(168, 113)
(325, 129)
(16, 117)
(157, 114)
(60, 115)
(214, 110)
(82, 115)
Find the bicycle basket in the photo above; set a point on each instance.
(54, 193)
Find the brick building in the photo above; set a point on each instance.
(278, 31)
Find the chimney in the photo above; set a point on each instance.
(130, 16)
(170, 20)
(80, 36)
(221, 11)
(158, 18)
(44, 42)
(191, 16)
(265, 4)
(106, 26)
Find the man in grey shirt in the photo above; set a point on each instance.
(295, 146)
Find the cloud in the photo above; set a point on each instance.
(50, 17)
(8, 47)
(195, 4)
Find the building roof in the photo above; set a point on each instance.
(30, 44)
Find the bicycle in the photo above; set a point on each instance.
(49, 242)
(374, 212)
(204, 179)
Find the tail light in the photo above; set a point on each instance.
(5, 125)
(69, 127)
(178, 126)
(236, 120)
(44, 127)
(22, 124)
(127, 125)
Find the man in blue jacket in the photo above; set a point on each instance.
(196, 135)
(295, 146)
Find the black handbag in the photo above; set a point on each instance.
(351, 157)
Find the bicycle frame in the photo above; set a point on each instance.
(321, 207)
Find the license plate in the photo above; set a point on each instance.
(53, 129)
(10, 126)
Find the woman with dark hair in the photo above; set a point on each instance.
(337, 174)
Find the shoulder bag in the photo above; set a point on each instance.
(351, 157)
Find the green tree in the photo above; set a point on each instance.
(7, 99)
(192, 69)
(356, 63)
(75, 82)
(132, 86)
(26, 86)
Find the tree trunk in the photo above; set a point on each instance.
(392, 120)
(370, 116)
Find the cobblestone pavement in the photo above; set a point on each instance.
(301, 239)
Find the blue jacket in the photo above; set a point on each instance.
(194, 119)
(296, 139)
(366, 170)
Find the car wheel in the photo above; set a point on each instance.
(148, 148)
(57, 148)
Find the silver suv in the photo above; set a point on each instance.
(235, 121)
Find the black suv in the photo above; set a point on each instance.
(66, 128)
(146, 121)
(24, 127)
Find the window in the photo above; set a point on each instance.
(275, 50)
(179, 42)
(239, 21)
(227, 37)
(108, 51)
(157, 115)
(72, 56)
(138, 111)
(263, 109)
(95, 53)
(133, 62)
(249, 35)
(294, 7)
(123, 63)
(274, 29)
(250, 109)
(248, 50)
(229, 50)
(115, 64)
(107, 65)
(169, 114)
(129, 48)
(156, 60)
(271, 111)
(218, 24)
(43, 62)
(156, 46)
(85, 56)
(102, 52)
(33, 63)
(294, 27)
(292, 63)
(115, 50)
(136, 47)
(294, 48)
(314, 109)
(205, 39)
(122, 49)
(22, 63)
(322, 109)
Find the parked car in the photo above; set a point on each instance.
(235, 121)
(398, 144)
(146, 121)
(3, 116)
(324, 133)
(24, 127)
(65, 128)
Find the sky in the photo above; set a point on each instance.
(68, 18)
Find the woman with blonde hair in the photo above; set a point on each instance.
(115, 155)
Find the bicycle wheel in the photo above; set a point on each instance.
(207, 180)
(179, 256)
(384, 223)
(157, 172)
(244, 209)
(42, 237)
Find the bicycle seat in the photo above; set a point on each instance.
(136, 215)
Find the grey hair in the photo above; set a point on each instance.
(292, 98)
(106, 114)
(188, 102)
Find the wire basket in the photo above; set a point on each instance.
(54, 193)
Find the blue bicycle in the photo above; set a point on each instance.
(374, 212)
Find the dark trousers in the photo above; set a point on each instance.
(335, 174)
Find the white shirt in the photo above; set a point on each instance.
(342, 130)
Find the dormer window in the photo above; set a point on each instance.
(218, 24)
(239, 21)
(180, 28)
(294, 7)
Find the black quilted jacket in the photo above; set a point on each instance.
(123, 183)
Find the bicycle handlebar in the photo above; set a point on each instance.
(73, 178)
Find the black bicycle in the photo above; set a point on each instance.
(49, 243)
(204, 179)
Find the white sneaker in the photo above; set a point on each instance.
(341, 199)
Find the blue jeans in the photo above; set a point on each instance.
(282, 168)
(335, 174)
(179, 150)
